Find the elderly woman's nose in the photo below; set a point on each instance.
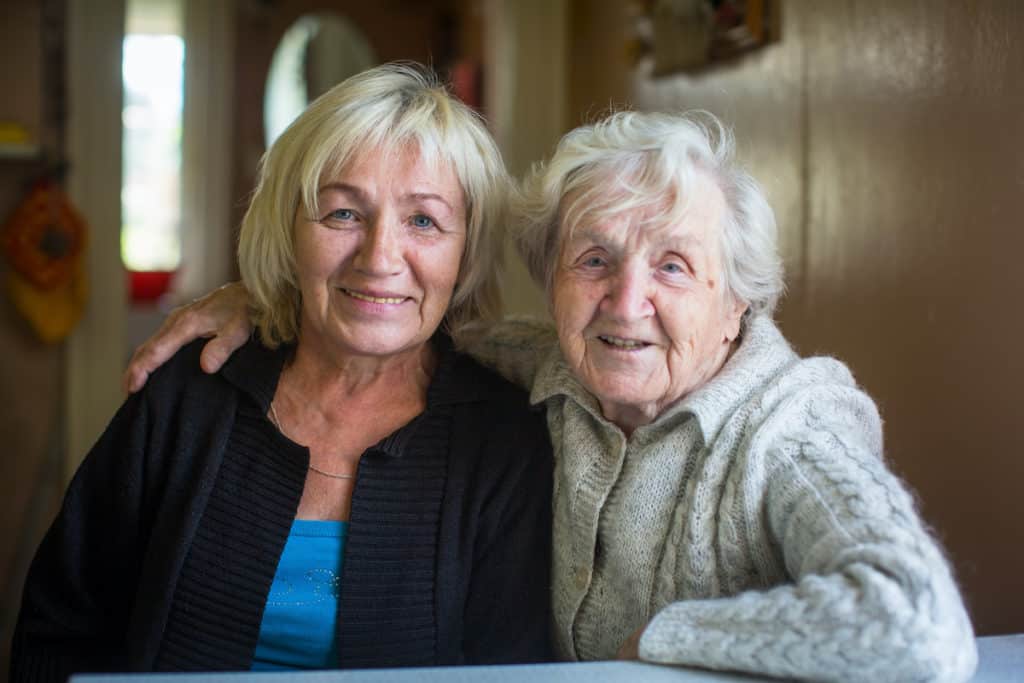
(381, 250)
(629, 295)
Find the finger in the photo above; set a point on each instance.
(132, 381)
(221, 313)
(137, 372)
(228, 340)
(179, 328)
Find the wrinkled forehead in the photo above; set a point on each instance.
(394, 157)
(387, 153)
(659, 210)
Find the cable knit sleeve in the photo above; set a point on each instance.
(869, 595)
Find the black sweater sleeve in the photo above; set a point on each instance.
(507, 615)
(87, 604)
(78, 593)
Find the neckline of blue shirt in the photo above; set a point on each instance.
(319, 528)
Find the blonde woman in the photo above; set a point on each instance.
(348, 491)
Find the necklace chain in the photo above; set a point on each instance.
(277, 422)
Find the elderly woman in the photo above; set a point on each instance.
(349, 491)
(719, 501)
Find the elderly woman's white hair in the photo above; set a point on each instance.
(642, 160)
(386, 111)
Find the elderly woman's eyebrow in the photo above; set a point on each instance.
(616, 239)
(590, 233)
(680, 242)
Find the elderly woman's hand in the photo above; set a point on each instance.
(631, 648)
(222, 314)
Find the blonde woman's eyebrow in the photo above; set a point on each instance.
(341, 187)
(429, 196)
(362, 195)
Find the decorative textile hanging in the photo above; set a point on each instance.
(44, 241)
(45, 237)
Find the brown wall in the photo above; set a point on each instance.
(30, 393)
(30, 372)
(598, 59)
(890, 138)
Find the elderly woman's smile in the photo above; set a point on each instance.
(623, 344)
(642, 315)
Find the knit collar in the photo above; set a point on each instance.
(255, 370)
(759, 356)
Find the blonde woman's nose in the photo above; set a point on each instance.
(381, 252)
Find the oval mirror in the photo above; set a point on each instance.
(316, 53)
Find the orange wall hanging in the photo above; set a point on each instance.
(44, 241)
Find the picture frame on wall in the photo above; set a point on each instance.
(684, 35)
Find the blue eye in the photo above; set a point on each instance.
(342, 215)
(673, 268)
(421, 221)
(593, 262)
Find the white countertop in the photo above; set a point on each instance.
(1001, 661)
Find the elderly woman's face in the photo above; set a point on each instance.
(641, 313)
(377, 266)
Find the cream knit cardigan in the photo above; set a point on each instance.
(752, 526)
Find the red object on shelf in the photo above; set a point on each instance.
(147, 286)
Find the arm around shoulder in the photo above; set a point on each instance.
(221, 317)
(514, 347)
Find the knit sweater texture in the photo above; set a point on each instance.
(753, 526)
(167, 543)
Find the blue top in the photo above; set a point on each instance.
(299, 622)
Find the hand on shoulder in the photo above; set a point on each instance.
(221, 316)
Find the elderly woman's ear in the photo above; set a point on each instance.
(734, 323)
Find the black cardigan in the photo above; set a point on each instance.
(168, 540)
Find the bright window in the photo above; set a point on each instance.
(153, 73)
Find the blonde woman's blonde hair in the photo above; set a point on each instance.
(385, 110)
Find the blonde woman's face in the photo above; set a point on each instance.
(641, 313)
(377, 266)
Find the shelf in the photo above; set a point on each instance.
(18, 151)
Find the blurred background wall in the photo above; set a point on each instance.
(887, 134)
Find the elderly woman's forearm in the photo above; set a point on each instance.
(834, 628)
(865, 592)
